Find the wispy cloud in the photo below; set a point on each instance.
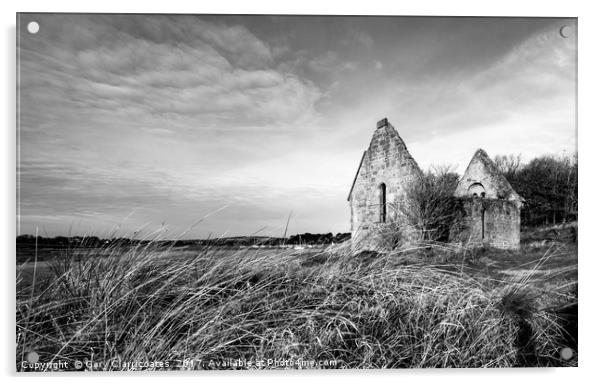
(176, 116)
(198, 69)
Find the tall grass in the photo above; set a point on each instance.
(142, 303)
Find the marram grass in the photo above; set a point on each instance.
(144, 303)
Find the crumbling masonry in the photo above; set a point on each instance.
(386, 171)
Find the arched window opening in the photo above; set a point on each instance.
(476, 190)
(382, 202)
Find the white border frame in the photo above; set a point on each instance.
(588, 139)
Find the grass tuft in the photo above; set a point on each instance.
(338, 310)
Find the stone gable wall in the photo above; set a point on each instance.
(476, 173)
(387, 161)
(481, 170)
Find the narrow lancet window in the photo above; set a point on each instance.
(383, 202)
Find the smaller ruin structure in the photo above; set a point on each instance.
(491, 206)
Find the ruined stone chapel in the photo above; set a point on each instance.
(491, 207)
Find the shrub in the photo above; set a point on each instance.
(429, 207)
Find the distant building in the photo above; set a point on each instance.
(386, 171)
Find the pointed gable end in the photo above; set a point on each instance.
(386, 147)
(482, 178)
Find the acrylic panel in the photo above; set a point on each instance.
(217, 192)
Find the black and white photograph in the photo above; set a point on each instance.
(208, 192)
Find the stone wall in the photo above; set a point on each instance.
(386, 161)
(482, 175)
(490, 222)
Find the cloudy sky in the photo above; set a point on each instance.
(223, 125)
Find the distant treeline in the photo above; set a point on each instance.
(547, 183)
(317, 239)
(79, 241)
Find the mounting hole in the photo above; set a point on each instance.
(566, 353)
(33, 27)
(32, 357)
(565, 31)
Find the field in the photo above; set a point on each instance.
(431, 305)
